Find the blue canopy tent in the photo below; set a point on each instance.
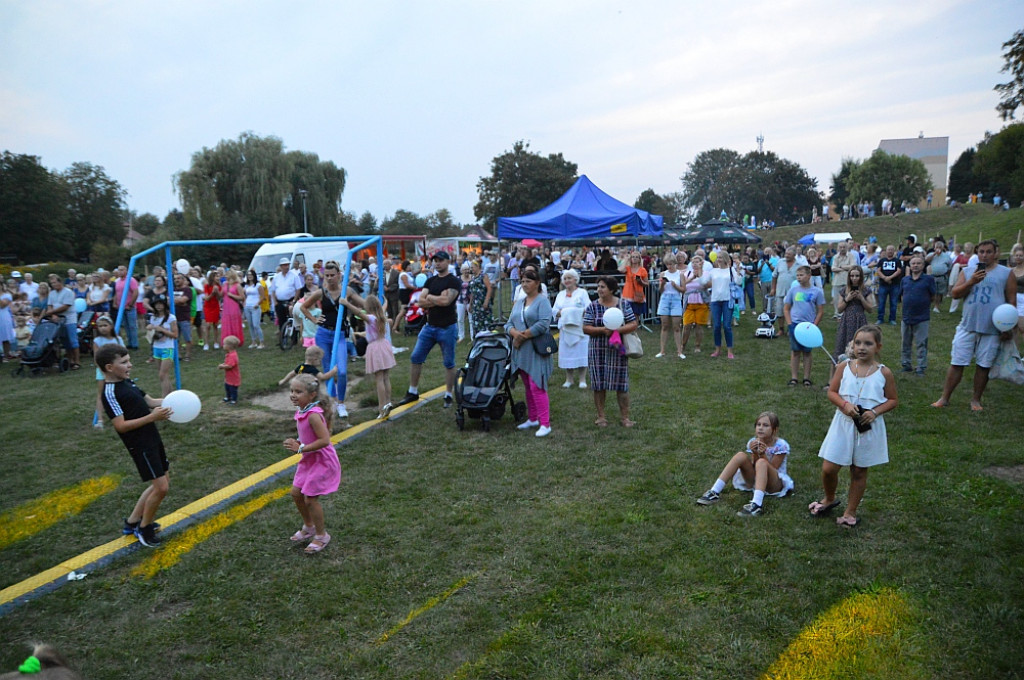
(583, 212)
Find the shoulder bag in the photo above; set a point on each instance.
(631, 342)
(545, 344)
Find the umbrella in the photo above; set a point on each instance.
(531, 243)
(807, 240)
(717, 231)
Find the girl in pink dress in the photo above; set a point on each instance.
(319, 472)
(231, 307)
(380, 358)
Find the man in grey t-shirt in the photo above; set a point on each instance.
(984, 287)
(60, 308)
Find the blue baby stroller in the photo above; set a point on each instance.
(483, 387)
(43, 350)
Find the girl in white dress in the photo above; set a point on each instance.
(862, 390)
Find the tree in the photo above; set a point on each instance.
(522, 182)
(669, 206)
(95, 208)
(897, 177)
(999, 164)
(705, 191)
(253, 177)
(839, 191)
(440, 224)
(33, 210)
(404, 223)
(1012, 93)
(367, 223)
(145, 224)
(962, 182)
(758, 183)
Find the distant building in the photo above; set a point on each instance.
(932, 151)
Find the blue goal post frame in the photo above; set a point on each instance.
(355, 244)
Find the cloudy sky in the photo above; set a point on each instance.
(415, 98)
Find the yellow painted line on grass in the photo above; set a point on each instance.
(843, 634)
(430, 604)
(50, 577)
(174, 549)
(40, 514)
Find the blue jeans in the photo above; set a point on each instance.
(892, 293)
(433, 335)
(325, 341)
(252, 317)
(748, 288)
(130, 323)
(721, 319)
(915, 342)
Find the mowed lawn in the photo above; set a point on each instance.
(498, 555)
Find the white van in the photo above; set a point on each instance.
(269, 255)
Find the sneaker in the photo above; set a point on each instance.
(225, 400)
(206, 348)
(448, 401)
(567, 383)
(583, 384)
(892, 323)
(129, 527)
(342, 411)
(710, 497)
(98, 426)
(409, 398)
(908, 369)
(751, 509)
(384, 412)
(919, 371)
(543, 431)
(659, 355)
(936, 310)
(682, 356)
(147, 536)
(216, 345)
(527, 424)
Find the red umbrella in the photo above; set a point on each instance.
(531, 243)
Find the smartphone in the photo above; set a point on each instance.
(981, 266)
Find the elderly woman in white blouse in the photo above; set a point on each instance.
(568, 309)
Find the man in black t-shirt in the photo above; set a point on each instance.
(438, 299)
(888, 275)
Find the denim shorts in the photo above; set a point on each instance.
(793, 344)
(670, 305)
(185, 331)
(432, 335)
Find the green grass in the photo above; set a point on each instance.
(587, 554)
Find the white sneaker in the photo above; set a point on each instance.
(682, 356)
(528, 424)
(659, 355)
(583, 384)
(98, 426)
(216, 345)
(206, 348)
(342, 411)
(544, 431)
(567, 383)
(936, 310)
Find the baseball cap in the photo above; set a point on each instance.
(440, 255)
(15, 274)
(284, 260)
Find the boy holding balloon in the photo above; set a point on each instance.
(803, 303)
(134, 415)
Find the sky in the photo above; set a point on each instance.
(414, 99)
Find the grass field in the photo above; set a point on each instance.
(497, 555)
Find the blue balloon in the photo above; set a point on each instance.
(80, 305)
(421, 280)
(808, 335)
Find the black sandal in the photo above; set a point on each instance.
(793, 383)
(808, 383)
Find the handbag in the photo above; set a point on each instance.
(545, 344)
(634, 347)
(1008, 365)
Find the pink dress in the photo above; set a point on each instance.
(319, 472)
(231, 315)
(379, 356)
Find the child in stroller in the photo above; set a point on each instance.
(484, 385)
(44, 350)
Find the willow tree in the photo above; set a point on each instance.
(253, 187)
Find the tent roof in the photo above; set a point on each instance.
(831, 237)
(584, 211)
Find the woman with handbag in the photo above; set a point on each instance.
(609, 367)
(529, 326)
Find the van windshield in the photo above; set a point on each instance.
(267, 263)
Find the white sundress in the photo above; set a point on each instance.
(843, 445)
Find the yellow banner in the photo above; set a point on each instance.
(619, 228)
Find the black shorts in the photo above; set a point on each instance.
(150, 459)
(404, 295)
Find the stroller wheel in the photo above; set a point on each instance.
(460, 420)
(485, 424)
(519, 412)
(65, 365)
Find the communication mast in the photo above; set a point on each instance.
(760, 143)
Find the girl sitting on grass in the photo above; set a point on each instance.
(319, 472)
(862, 389)
(761, 469)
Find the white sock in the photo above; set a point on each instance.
(449, 394)
(759, 498)
(414, 390)
(718, 486)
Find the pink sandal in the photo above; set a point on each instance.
(304, 533)
(318, 543)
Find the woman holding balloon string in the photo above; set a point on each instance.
(607, 363)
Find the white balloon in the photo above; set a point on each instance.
(613, 318)
(1004, 317)
(184, 404)
(183, 267)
